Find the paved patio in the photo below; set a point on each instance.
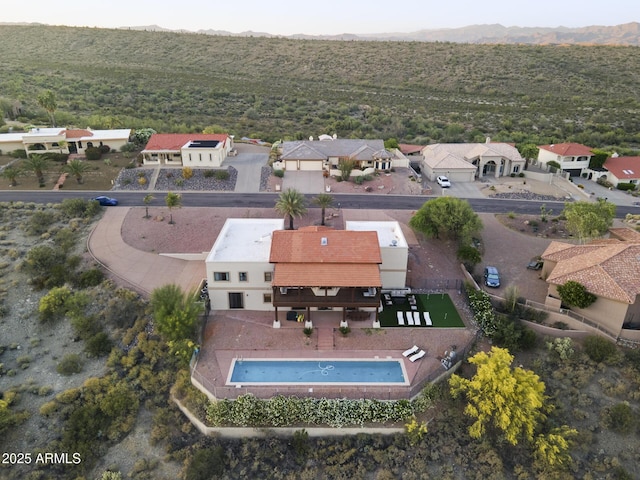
(241, 334)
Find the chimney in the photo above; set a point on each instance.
(488, 140)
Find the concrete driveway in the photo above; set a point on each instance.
(598, 191)
(249, 163)
(303, 181)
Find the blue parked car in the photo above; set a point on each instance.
(106, 201)
(491, 277)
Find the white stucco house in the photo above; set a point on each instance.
(255, 264)
(622, 170)
(327, 152)
(63, 140)
(464, 162)
(196, 150)
(573, 158)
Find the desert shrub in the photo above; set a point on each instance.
(187, 173)
(99, 345)
(598, 348)
(54, 304)
(563, 347)
(24, 361)
(58, 157)
(93, 153)
(222, 175)
(79, 207)
(70, 364)
(19, 153)
(49, 408)
(40, 221)
(621, 418)
(278, 173)
(179, 182)
(142, 181)
(206, 463)
(208, 174)
(85, 326)
(90, 278)
(359, 180)
(104, 148)
(128, 147)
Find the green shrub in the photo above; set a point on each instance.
(598, 348)
(19, 153)
(93, 153)
(278, 173)
(85, 326)
(99, 345)
(128, 147)
(573, 293)
(90, 278)
(222, 175)
(359, 180)
(626, 186)
(208, 174)
(621, 418)
(40, 221)
(79, 207)
(70, 364)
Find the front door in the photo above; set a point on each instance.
(236, 300)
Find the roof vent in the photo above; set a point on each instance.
(324, 241)
(394, 243)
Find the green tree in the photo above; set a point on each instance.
(77, 168)
(345, 167)
(148, 198)
(142, 135)
(173, 200)
(291, 203)
(551, 450)
(175, 312)
(528, 151)
(47, 100)
(469, 255)
(449, 216)
(11, 173)
(391, 144)
(598, 158)
(324, 200)
(500, 397)
(574, 294)
(54, 304)
(589, 220)
(37, 164)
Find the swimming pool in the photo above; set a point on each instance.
(317, 372)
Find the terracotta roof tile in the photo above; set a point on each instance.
(568, 149)
(71, 133)
(341, 246)
(326, 275)
(624, 168)
(175, 141)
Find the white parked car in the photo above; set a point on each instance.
(443, 181)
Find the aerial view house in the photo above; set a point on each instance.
(609, 269)
(187, 149)
(327, 152)
(573, 158)
(256, 265)
(63, 140)
(463, 162)
(621, 170)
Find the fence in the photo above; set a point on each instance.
(430, 285)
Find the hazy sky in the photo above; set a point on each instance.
(286, 17)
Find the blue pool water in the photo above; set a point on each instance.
(279, 372)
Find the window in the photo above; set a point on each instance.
(266, 297)
(200, 156)
(220, 276)
(267, 276)
(516, 168)
(242, 276)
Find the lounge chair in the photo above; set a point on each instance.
(400, 317)
(411, 351)
(410, 318)
(416, 318)
(417, 356)
(427, 319)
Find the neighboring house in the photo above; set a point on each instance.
(256, 265)
(609, 269)
(187, 149)
(63, 140)
(410, 150)
(463, 162)
(327, 152)
(622, 170)
(573, 158)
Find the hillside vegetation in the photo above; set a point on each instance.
(281, 88)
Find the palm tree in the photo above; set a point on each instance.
(77, 168)
(172, 200)
(147, 200)
(323, 200)
(47, 100)
(292, 204)
(38, 164)
(11, 173)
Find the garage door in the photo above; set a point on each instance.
(291, 165)
(315, 165)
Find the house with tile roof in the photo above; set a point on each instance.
(622, 170)
(463, 162)
(255, 264)
(609, 269)
(328, 152)
(63, 140)
(196, 150)
(573, 158)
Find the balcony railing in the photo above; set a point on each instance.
(345, 297)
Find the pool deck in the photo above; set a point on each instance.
(244, 334)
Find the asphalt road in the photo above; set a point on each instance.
(266, 200)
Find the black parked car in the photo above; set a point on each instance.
(535, 263)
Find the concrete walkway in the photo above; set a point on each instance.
(143, 271)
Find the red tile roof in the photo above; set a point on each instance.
(568, 149)
(77, 133)
(324, 257)
(408, 149)
(175, 141)
(626, 168)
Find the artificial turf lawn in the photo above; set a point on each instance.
(440, 307)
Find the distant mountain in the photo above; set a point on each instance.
(625, 34)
